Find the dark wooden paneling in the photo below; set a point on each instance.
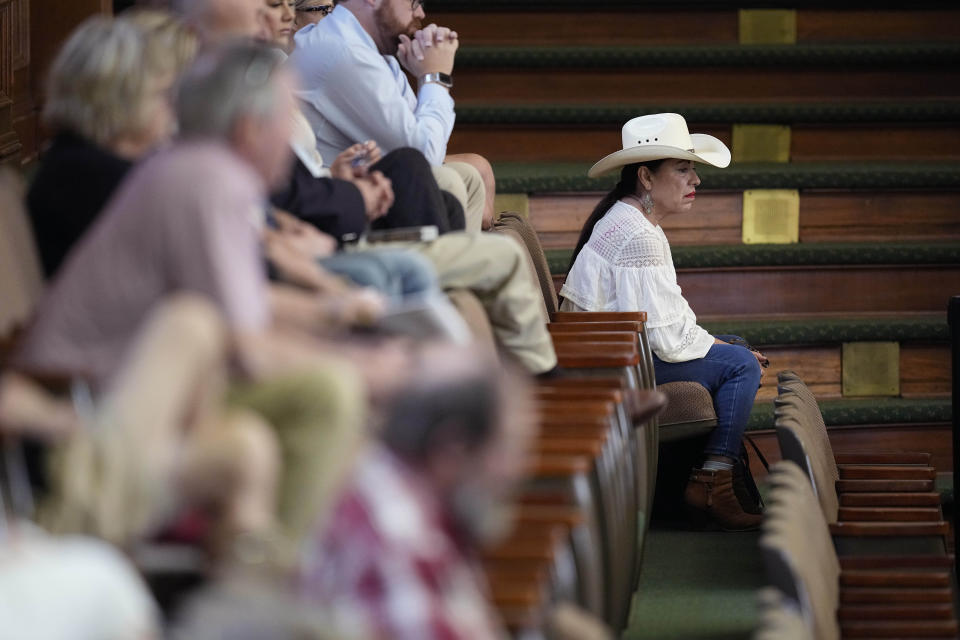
(51, 23)
(824, 217)
(570, 143)
(934, 439)
(819, 367)
(822, 289)
(716, 220)
(686, 26)
(586, 27)
(875, 142)
(925, 370)
(877, 25)
(700, 84)
(878, 216)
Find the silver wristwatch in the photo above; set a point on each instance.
(442, 79)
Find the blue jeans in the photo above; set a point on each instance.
(396, 273)
(732, 375)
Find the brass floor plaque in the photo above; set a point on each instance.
(771, 216)
(513, 202)
(761, 143)
(768, 26)
(871, 369)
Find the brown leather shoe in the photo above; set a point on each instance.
(711, 494)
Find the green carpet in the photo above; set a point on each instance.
(881, 111)
(696, 585)
(529, 177)
(866, 411)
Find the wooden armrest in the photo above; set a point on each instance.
(928, 561)
(598, 316)
(883, 457)
(926, 579)
(886, 472)
(585, 408)
(587, 382)
(581, 327)
(880, 486)
(575, 431)
(571, 517)
(586, 337)
(899, 529)
(889, 514)
(900, 629)
(555, 466)
(891, 499)
(547, 393)
(871, 595)
(935, 611)
(644, 405)
(587, 360)
(569, 446)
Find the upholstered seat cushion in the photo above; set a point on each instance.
(690, 405)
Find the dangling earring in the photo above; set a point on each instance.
(646, 204)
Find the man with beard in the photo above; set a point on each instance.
(396, 557)
(352, 67)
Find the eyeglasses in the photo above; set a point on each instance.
(418, 4)
(325, 9)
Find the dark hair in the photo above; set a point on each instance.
(627, 186)
(461, 410)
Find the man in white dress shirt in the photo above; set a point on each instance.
(352, 69)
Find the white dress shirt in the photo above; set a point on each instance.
(627, 266)
(352, 93)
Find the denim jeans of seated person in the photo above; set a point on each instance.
(398, 274)
(731, 374)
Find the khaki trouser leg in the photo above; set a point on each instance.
(466, 185)
(318, 416)
(492, 267)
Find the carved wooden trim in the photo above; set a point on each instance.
(20, 19)
(6, 54)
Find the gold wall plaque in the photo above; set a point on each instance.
(871, 369)
(513, 202)
(771, 216)
(768, 26)
(761, 143)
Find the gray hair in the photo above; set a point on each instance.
(225, 85)
(96, 83)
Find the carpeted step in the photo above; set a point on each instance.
(818, 330)
(900, 55)
(796, 255)
(697, 585)
(577, 5)
(848, 412)
(874, 111)
(572, 177)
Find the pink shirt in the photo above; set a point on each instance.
(182, 221)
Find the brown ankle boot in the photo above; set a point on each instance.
(711, 493)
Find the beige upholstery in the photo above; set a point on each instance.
(522, 230)
(21, 281)
(799, 552)
(791, 418)
(780, 619)
(813, 422)
(689, 402)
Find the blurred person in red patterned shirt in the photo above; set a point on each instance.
(396, 559)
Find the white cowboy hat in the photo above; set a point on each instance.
(662, 135)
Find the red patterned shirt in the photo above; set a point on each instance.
(389, 565)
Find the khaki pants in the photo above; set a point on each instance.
(466, 185)
(493, 268)
(318, 417)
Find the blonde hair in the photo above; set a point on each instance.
(100, 80)
(170, 45)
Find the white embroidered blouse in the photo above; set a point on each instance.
(627, 266)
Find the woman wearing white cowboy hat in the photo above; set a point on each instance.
(623, 263)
